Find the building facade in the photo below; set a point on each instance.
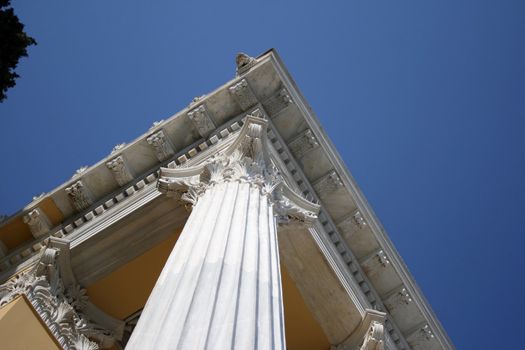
(234, 224)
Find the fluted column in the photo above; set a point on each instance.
(221, 286)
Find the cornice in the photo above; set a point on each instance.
(225, 107)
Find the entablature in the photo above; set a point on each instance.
(347, 226)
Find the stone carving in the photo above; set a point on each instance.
(156, 123)
(352, 223)
(235, 197)
(382, 259)
(303, 144)
(62, 306)
(397, 299)
(328, 183)
(278, 102)
(80, 171)
(79, 196)
(245, 160)
(201, 121)
(41, 195)
(375, 337)
(120, 170)
(38, 222)
(244, 63)
(162, 146)
(420, 339)
(118, 147)
(243, 94)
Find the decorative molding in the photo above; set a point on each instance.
(369, 335)
(118, 147)
(244, 63)
(277, 102)
(397, 299)
(243, 94)
(161, 144)
(38, 222)
(202, 121)
(330, 182)
(245, 160)
(79, 195)
(352, 223)
(375, 262)
(120, 170)
(156, 123)
(375, 337)
(80, 171)
(420, 338)
(303, 144)
(40, 196)
(62, 304)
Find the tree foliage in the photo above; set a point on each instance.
(13, 45)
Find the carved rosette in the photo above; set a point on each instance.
(162, 146)
(246, 160)
(120, 170)
(38, 222)
(79, 195)
(63, 308)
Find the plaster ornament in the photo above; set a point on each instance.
(161, 145)
(38, 222)
(60, 303)
(375, 337)
(120, 170)
(202, 121)
(243, 94)
(79, 195)
(235, 197)
(244, 63)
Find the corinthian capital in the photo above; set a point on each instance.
(245, 160)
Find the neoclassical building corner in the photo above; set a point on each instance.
(233, 224)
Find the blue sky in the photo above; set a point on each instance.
(425, 101)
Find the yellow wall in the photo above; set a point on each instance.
(126, 291)
(22, 329)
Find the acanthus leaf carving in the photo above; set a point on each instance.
(120, 170)
(201, 120)
(61, 305)
(243, 94)
(278, 102)
(331, 182)
(38, 222)
(375, 337)
(421, 337)
(162, 146)
(303, 144)
(245, 160)
(79, 195)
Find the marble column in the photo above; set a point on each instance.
(221, 285)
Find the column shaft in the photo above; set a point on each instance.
(221, 285)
